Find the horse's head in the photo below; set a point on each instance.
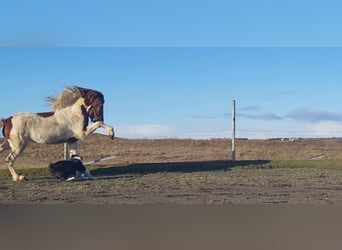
(94, 100)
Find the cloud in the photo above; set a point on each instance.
(305, 114)
(299, 114)
(263, 116)
(144, 131)
(251, 112)
(326, 129)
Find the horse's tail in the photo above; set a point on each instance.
(6, 125)
(2, 125)
(4, 145)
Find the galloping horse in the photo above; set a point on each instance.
(68, 122)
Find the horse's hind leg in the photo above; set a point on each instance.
(17, 148)
(5, 145)
(10, 163)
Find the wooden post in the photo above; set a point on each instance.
(66, 151)
(70, 148)
(233, 129)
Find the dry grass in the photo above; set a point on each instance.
(182, 150)
(301, 153)
(185, 172)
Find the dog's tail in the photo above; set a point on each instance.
(52, 166)
(52, 170)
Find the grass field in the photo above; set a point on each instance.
(108, 170)
(184, 171)
(310, 153)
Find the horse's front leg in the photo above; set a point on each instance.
(91, 129)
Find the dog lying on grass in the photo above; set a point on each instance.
(70, 170)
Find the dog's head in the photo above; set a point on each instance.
(76, 157)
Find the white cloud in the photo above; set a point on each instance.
(263, 116)
(144, 131)
(327, 129)
(268, 125)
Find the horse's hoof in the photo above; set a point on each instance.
(111, 133)
(20, 178)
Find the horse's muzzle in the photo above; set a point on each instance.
(96, 114)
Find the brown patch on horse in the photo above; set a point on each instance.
(7, 127)
(95, 99)
(46, 114)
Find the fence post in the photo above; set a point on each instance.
(70, 148)
(66, 151)
(233, 129)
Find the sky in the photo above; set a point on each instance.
(170, 69)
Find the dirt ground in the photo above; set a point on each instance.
(184, 172)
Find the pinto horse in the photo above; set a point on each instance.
(68, 122)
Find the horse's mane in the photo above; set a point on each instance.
(66, 98)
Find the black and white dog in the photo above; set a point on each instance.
(70, 170)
